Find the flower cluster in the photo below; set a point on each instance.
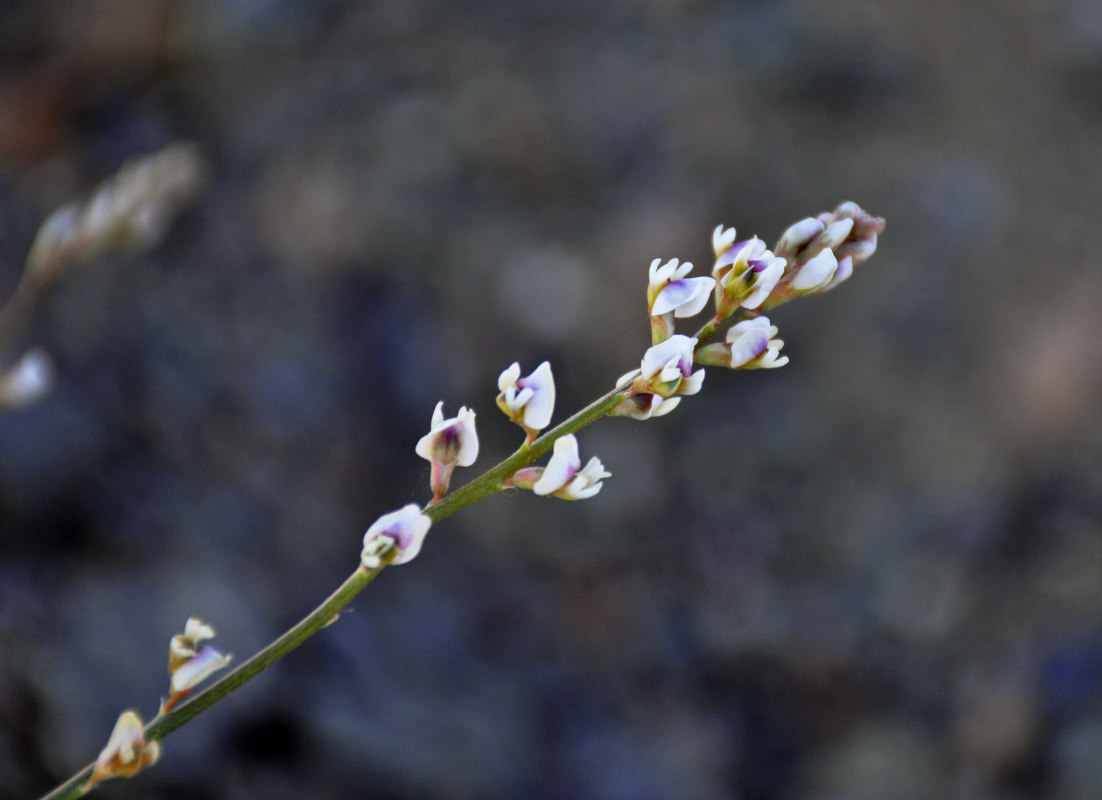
(822, 251)
(813, 255)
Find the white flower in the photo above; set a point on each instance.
(126, 751)
(527, 401)
(746, 273)
(190, 662)
(669, 291)
(564, 476)
(404, 530)
(816, 274)
(666, 368)
(450, 441)
(753, 346)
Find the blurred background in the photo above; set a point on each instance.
(875, 574)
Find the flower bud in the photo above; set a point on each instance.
(823, 251)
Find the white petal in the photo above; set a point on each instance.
(509, 377)
(562, 467)
(195, 670)
(692, 384)
(722, 238)
(468, 438)
(816, 273)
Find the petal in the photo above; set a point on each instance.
(816, 273)
(508, 378)
(197, 669)
(468, 438)
(562, 467)
(722, 238)
(800, 234)
(692, 384)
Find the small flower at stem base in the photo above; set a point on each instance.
(530, 401)
(126, 753)
(402, 530)
(449, 442)
(564, 476)
(190, 662)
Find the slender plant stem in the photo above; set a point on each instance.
(486, 484)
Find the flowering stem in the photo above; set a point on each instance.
(491, 481)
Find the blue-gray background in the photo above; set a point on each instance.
(875, 574)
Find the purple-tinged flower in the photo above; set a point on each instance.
(667, 369)
(403, 530)
(190, 662)
(752, 345)
(450, 441)
(745, 273)
(669, 291)
(126, 752)
(529, 401)
(564, 476)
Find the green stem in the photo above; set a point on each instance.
(486, 484)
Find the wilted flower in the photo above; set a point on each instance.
(530, 401)
(644, 406)
(404, 530)
(667, 367)
(450, 441)
(564, 476)
(126, 752)
(190, 662)
(745, 273)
